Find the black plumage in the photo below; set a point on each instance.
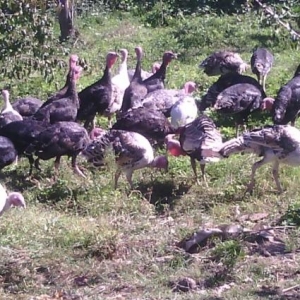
(22, 133)
(239, 100)
(8, 152)
(223, 82)
(150, 123)
(60, 139)
(63, 109)
(97, 97)
(286, 106)
(27, 106)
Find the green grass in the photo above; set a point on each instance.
(81, 239)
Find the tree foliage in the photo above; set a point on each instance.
(27, 41)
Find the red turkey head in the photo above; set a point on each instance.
(139, 52)
(168, 56)
(111, 59)
(73, 61)
(190, 87)
(267, 103)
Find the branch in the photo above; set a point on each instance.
(269, 11)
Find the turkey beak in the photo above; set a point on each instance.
(174, 56)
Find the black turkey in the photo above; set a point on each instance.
(27, 106)
(150, 123)
(59, 139)
(22, 133)
(63, 109)
(285, 107)
(97, 97)
(223, 82)
(240, 100)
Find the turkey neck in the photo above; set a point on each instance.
(138, 70)
(71, 92)
(160, 74)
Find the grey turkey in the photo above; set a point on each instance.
(63, 109)
(223, 82)
(144, 74)
(240, 100)
(164, 99)
(139, 88)
(261, 63)
(27, 106)
(275, 144)
(151, 123)
(132, 152)
(57, 140)
(194, 137)
(96, 98)
(8, 114)
(8, 152)
(22, 133)
(222, 62)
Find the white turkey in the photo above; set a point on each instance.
(276, 144)
(261, 64)
(119, 84)
(194, 138)
(222, 62)
(164, 99)
(184, 111)
(8, 114)
(132, 152)
(9, 200)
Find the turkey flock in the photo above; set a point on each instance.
(149, 116)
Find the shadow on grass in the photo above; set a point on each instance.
(162, 194)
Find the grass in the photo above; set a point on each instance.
(81, 239)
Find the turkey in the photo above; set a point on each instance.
(286, 106)
(261, 64)
(150, 123)
(164, 99)
(276, 144)
(62, 93)
(8, 152)
(184, 111)
(63, 109)
(225, 81)
(138, 88)
(223, 62)
(119, 84)
(27, 106)
(9, 200)
(96, 98)
(157, 80)
(22, 133)
(239, 100)
(132, 151)
(194, 138)
(145, 74)
(59, 139)
(8, 114)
